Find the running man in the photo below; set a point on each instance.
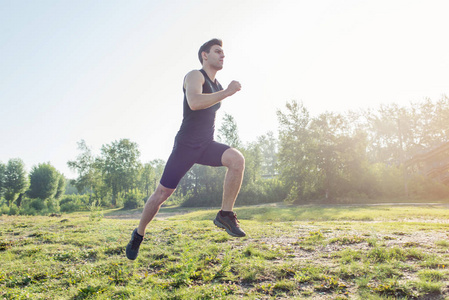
(195, 143)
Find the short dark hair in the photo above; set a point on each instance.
(206, 47)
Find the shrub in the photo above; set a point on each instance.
(71, 203)
(13, 210)
(202, 199)
(38, 204)
(427, 188)
(53, 205)
(69, 207)
(262, 191)
(28, 211)
(4, 209)
(133, 200)
(177, 198)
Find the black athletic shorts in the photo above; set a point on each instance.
(184, 157)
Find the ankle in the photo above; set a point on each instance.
(224, 213)
(139, 234)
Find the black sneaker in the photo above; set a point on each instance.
(230, 223)
(132, 249)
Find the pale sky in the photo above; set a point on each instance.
(106, 70)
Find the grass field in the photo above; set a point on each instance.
(291, 252)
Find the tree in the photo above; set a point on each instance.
(89, 174)
(297, 163)
(228, 132)
(340, 156)
(44, 181)
(15, 180)
(2, 178)
(119, 163)
(253, 163)
(268, 147)
(147, 178)
(205, 185)
(158, 165)
(60, 190)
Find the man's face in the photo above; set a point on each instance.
(215, 57)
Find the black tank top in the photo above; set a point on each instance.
(198, 126)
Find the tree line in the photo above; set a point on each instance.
(40, 191)
(355, 156)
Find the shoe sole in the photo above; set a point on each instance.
(128, 256)
(221, 225)
(131, 258)
(128, 247)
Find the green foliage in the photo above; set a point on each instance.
(426, 188)
(70, 207)
(133, 200)
(262, 191)
(60, 191)
(352, 157)
(340, 157)
(15, 180)
(177, 198)
(296, 164)
(44, 181)
(38, 204)
(228, 132)
(205, 185)
(147, 181)
(13, 210)
(2, 178)
(71, 203)
(89, 178)
(253, 163)
(349, 157)
(4, 209)
(268, 146)
(388, 180)
(53, 205)
(119, 165)
(96, 212)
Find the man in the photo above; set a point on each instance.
(194, 144)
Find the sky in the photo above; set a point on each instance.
(101, 71)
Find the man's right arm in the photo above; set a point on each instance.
(197, 100)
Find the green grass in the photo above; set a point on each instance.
(285, 213)
(369, 252)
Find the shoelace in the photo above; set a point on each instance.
(234, 217)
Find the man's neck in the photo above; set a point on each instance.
(210, 72)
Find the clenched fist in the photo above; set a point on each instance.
(233, 88)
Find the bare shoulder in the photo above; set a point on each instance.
(194, 77)
(195, 73)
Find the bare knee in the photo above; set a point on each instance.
(233, 160)
(160, 195)
(164, 192)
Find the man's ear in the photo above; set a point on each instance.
(204, 55)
